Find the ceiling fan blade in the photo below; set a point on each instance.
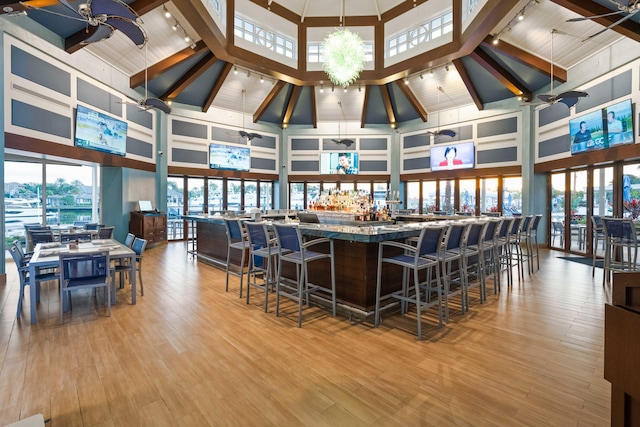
(447, 132)
(347, 142)
(619, 21)
(102, 32)
(112, 8)
(585, 18)
(569, 101)
(256, 135)
(157, 103)
(129, 28)
(572, 94)
(547, 98)
(244, 134)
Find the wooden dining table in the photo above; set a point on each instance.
(46, 255)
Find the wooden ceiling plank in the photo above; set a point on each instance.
(217, 86)
(526, 58)
(277, 87)
(295, 92)
(189, 77)
(166, 64)
(413, 100)
(628, 28)
(388, 106)
(466, 79)
(314, 109)
(502, 75)
(73, 43)
(365, 105)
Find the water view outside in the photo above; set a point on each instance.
(68, 196)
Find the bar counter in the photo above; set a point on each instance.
(356, 256)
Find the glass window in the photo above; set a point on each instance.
(22, 198)
(578, 223)
(489, 195)
(266, 195)
(557, 209)
(603, 191)
(379, 193)
(296, 195)
(313, 192)
(413, 195)
(196, 195)
(512, 196)
(631, 191)
(250, 194)
(329, 185)
(468, 196)
(347, 186)
(234, 195)
(429, 201)
(446, 195)
(70, 194)
(216, 196)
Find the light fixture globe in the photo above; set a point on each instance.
(343, 56)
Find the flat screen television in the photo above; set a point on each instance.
(100, 132)
(587, 132)
(229, 157)
(618, 123)
(339, 163)
(454, 156)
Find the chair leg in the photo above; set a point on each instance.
(376, 315)
(140, 278)
(416, 284)
(226, 287)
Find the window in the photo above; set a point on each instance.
(296, 195)
(379, 193)
(264, 37)
(429, 200)
(467, 196)
(413, 195)
(423, 33)
(489, 195)
(315, 52)
(447, 195)
(196, 195)
(512, 196)
(215, 5)
(234, 195)
(266, 195)
(250, 194)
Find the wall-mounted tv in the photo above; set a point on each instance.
(619, 123)
(340, 163)
(98, 131)
(454, 156)
(587, 132)
(229, 157)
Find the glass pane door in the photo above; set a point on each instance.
(578, 220)
(557, 210)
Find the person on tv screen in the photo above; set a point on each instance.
(344, 165)
(583, 135)
(613, 125)
(450, 158)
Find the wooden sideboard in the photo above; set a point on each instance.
(622, 349)
(151, 226)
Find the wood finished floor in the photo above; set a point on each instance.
(189, 354)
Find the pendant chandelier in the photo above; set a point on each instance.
(344, 56)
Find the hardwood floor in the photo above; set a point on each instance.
(190, 354)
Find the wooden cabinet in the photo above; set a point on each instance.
(149, 226)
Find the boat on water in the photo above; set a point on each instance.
(25, 211)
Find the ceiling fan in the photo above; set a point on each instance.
(243, 133)
(568, 98)
(440, 132)
(106, 16)
(147, 103)
(630, 8)
(345, 141)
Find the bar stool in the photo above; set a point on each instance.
(452, 250)
(502, 253)
(236, 239)
(471, 260)
(487, 253)
(524, 240)
(514, 244)
(292, 249)
(264, 248)
(532, 239)
(423, 256)
(621, 237)
(598, 234)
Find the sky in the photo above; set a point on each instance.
(32, 172)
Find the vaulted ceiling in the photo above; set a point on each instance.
(207, 71)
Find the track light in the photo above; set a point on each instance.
(248, 73)
(521, 15)
(332, 88)
(359, 88)
(446, 67)
(235, 69)
(496, 39)
(167, 14)
(421, 76)
(261, 79)
(321, 88)
(431, 72)
(406, 81)
(344, 89)
(187, 38)
(174, 27)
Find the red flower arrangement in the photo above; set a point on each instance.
(633, 207)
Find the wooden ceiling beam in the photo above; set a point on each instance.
(166, 64)
(466, 79)
(500, 73)
(293, 99)
(526, 58)
(189, 77)
(365, 105)
(73, 43)
(388, 106)
(314, 109)
(413, 100)
(217, 86)
(628, 28)
(277, 87)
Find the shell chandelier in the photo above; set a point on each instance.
(344, 56)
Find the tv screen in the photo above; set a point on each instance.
(145, 205)
(229, 157)
(455, 156)
(587, 133)
(618, 122)
(100, 132)
(339, 163)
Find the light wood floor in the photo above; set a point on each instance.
(189, 354)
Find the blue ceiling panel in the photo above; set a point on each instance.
(401, 106)
(488, 87)
(530, 77)
(302, 112)
(164, 81)
(276, 110)
(376, 113)
(198, 91)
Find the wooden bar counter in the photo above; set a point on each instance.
(356, 256)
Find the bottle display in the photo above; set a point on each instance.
(357, 202)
